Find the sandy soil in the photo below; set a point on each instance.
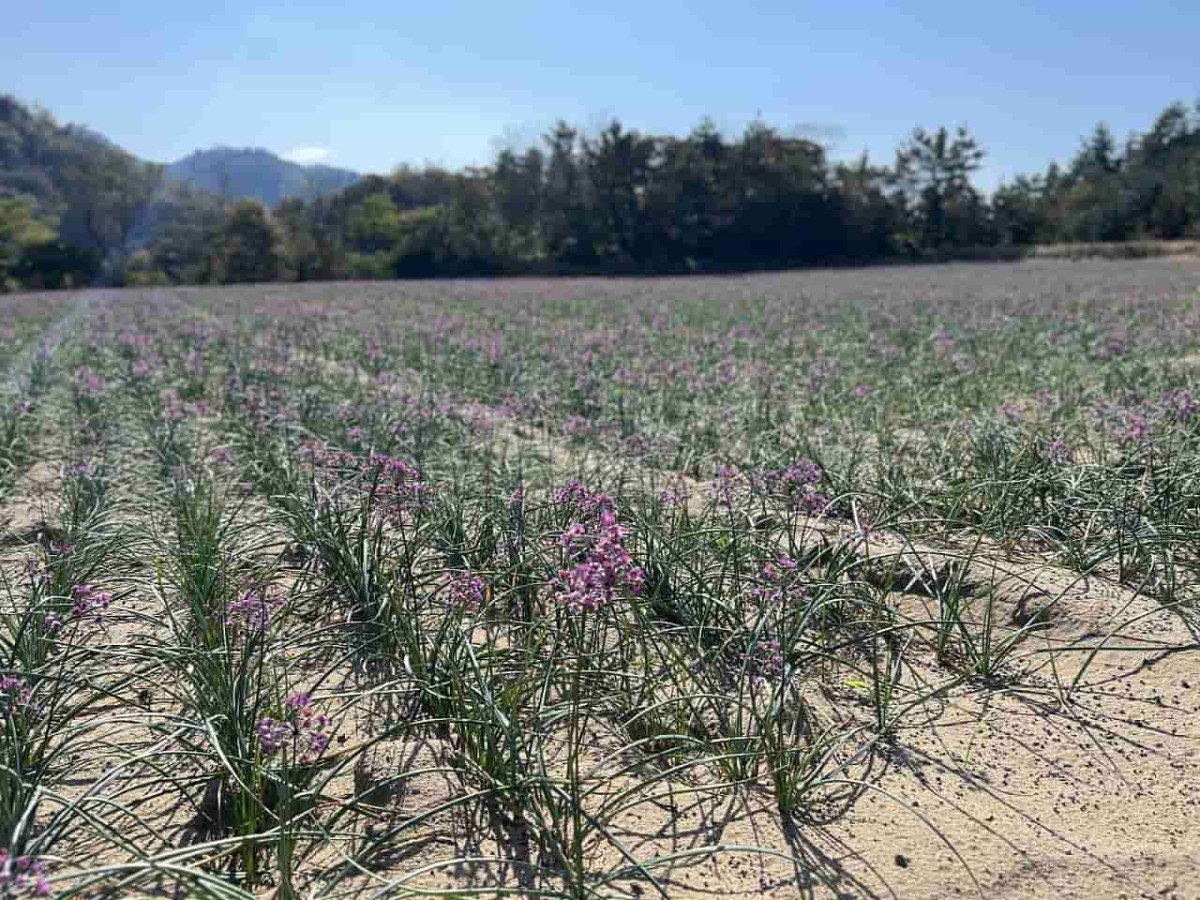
(1001, 791)
(1005, 790)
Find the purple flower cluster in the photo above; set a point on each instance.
(724, 486)
(779, 583)
(143, 368)
(87, 383)
(801, 473)
(1012, 412)
(1136, 427)
(14, 695)
(22, 875)
(601, 563)
(396, 485)
(676, 496)
(765, 659)
(1059, 453)
(577, 426)
(172, 406)
(798, 483)
(273, 734)
(1180, 405)
(84, 469)
(301, 726)
(944, 343)
(191, 362)
(86, 603)
(574, 493)
(254, 609)
(465, 592)
(133, 340)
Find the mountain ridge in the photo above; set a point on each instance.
(257, 173)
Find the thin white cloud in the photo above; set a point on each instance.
(306, 156)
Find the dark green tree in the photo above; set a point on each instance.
(518, 183)
(618, 164)
(933, 172)
(1019, 211)
(251, 245)
(565, 201)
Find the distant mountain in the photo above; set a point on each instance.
(259, 174)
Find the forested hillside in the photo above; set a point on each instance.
(75, 207)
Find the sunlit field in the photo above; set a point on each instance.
(834, 584)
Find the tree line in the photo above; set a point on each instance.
(74, 208)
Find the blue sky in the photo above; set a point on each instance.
(369, 84)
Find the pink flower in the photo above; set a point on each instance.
(89, 602)
(723, 486)
(22, 875)
(572, 536)
(1181, 404)
(603, 565)
(577, 426)
(301, 727)
(1136, 427)
(1059, 453)
(465, 592)
(254, 609)
(765, 659)
(15, 695)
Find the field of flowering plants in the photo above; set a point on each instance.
(827, 584)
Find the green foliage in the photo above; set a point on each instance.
(98, 195)
(98, 192)
(612, 200)
(933, 172)
(20, 228)
(621, 200)
(375, 224)
(141, 271)
(58, 264)
(251, 244)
